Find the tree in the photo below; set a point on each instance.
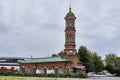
(109, 62)
(113, 63)
(96, 62)
(117, 66)
(90, 60)
(61, 53)
(84, 57)
(54, 55)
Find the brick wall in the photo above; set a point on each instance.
(31, 67)
(74, 59)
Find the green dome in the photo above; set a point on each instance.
(70, 13)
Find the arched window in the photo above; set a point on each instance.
(61, 68)
(28, 69)
(34, 69)
(52, 67)
(23, 69)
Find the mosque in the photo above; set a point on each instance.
(68, 61)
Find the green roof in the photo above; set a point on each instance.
(47, 59)
(70, 13)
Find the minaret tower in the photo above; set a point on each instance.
(70, 46)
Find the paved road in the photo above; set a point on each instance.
(93, 78)
(107, 78)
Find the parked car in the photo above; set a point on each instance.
(102, 73)
(90, 74)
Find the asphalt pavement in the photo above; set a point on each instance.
(92, 78)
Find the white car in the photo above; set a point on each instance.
(90, 74)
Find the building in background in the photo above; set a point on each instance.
(9, 62)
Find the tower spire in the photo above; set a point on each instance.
(70, 8)
(70, 13)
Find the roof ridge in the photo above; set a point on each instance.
(46, 57)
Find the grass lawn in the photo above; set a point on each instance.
(25, 78)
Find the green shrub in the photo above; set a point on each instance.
(78, 75)
(51, 75)
(8, 73)
(0, 73)
(18, 73)
(39, 75)
(118, 74)
(61, 73)
(42, 75)
(26, 74)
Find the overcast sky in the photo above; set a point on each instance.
(36, 27)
